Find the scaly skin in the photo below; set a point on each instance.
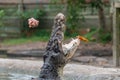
(57, 55)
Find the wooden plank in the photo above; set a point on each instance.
(9, 1)
(4, 35)
(8, 6)
(36, 1)
(25, 1)
(11, 27)
(31, 2)
(11, 21)
(9, 30)
(44, 2)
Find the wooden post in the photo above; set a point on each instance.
(116, 35)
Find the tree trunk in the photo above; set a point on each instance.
(102, 18)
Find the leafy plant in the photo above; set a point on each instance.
(74, 13)
(91, 34)
(98, 35)
(2, 14)
(25, 40)
(104, 37)
(103, 34)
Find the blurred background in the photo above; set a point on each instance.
(92, 19)
(84, 17)
(22, 48)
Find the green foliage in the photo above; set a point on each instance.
(39, 35)
(37, 14)
(98, 3)
(73, 13)
(42, 32)
(54, 1)
(71, 33)
(25, 40)
(104, 37)
(91, 34)
(99, 35)
(2, 14)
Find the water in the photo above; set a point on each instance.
(21, 76)
(15, 76)
(18, 76)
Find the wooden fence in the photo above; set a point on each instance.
(12, 22)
